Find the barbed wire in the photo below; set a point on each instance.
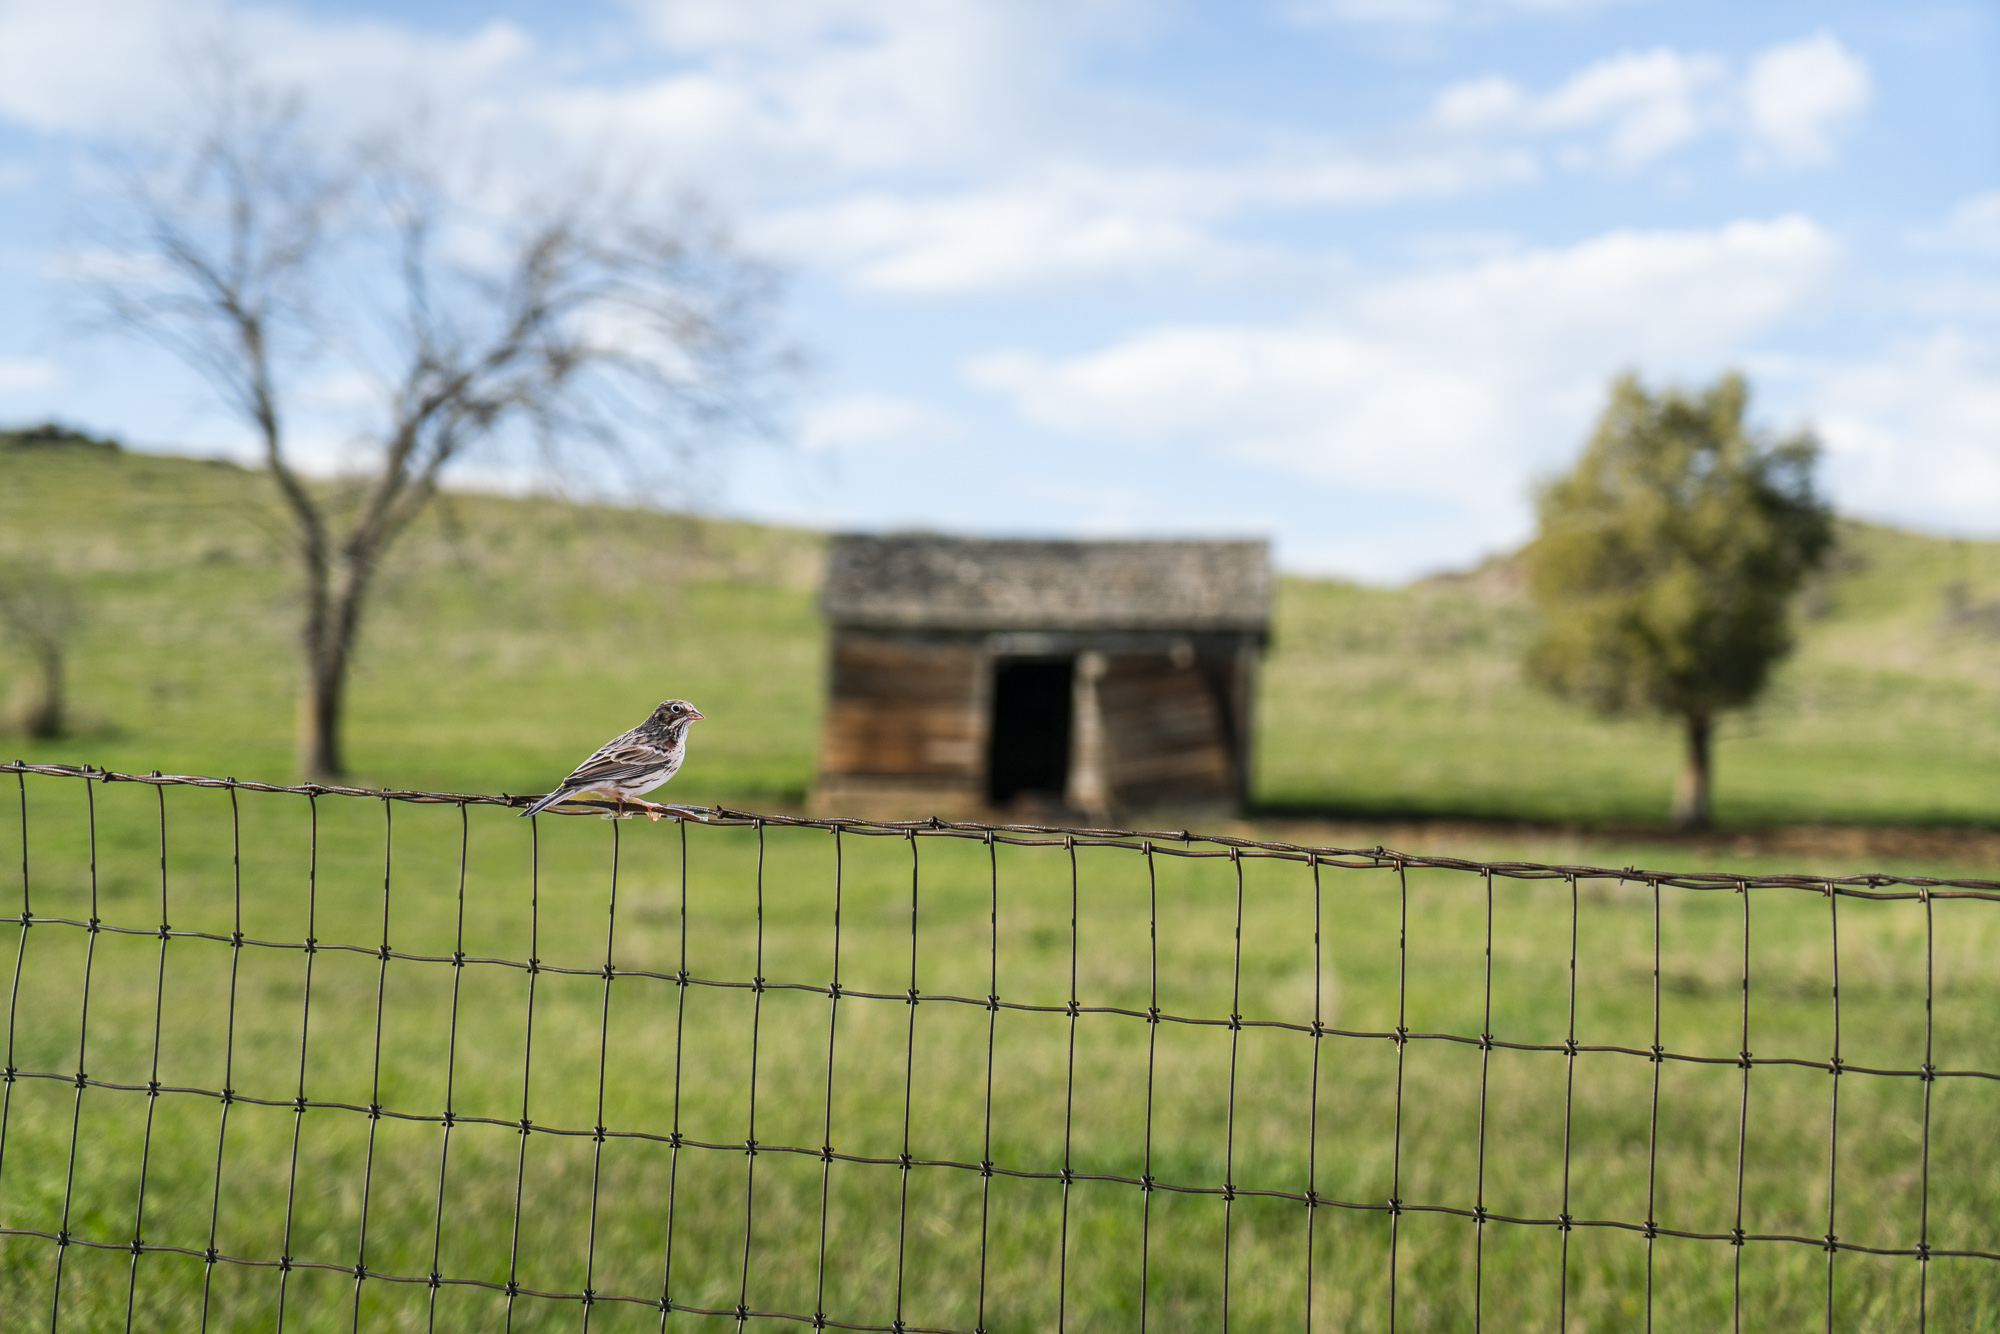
(1149, 844)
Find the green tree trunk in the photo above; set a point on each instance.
(1691, 793)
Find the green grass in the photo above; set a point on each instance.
(1411, 702)
(513, 634)
(706, 1033)
(510, 633)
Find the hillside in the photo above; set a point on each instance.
(511, 634)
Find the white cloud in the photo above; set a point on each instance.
(1626, 110)
(121, 66)
(20, 374)
(1454, 386)
(1796, 95)
(1913, 435)
(988, 239)
(1646, 102)
(1080, 221)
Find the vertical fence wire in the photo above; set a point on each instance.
(1479, 1169)
(1656, 1054)
(681, 981)
(1229, 1107)
(375, 1064)
(1069, 1108)
(750, 1134)
(82, 1063)
(311, 949)
(826, 1114)
(1152, 1054)
(212, 1254)
(597, 1127)
(523, 1126)
(986, 1100)
(27, 920)
(1569, 1111)
(153, 1074)
(1833, 1109)
(1929, 1075)
(436, 1277)
(1736, 1235)
(909, 1077)
(1402, 1053)
(1312, 1104)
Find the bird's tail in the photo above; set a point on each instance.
(560, 794)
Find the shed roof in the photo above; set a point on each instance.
(923, 581)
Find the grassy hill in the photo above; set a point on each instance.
(511, 634)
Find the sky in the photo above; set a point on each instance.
(1350, 274)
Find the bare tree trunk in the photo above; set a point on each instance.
(45, 721)
(1691, 793)
(332, 625)
(320, 707)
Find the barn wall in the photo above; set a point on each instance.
(905, 731)
(1161, 735)
(908, 724)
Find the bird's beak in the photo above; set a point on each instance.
(694, 713)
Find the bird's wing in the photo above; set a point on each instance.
(623, 758)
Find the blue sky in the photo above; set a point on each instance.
(1350, 273)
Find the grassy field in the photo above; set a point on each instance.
(1243, 1107)
(518, 633)
(510, 633)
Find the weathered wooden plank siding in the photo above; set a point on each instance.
(905, 709)
(1164, 738)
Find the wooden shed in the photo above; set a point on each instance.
(1100, 678)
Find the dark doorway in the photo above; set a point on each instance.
(1031, 713)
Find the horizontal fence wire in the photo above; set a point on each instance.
(378, 1035)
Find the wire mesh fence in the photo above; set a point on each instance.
(318, 1057)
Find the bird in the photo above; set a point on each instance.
(631, 763)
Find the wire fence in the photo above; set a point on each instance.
(208, 1125)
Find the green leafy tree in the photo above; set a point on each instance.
(1665, 563)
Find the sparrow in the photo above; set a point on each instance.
(632, 763)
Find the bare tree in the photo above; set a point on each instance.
(41, 608)
(269, 256)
